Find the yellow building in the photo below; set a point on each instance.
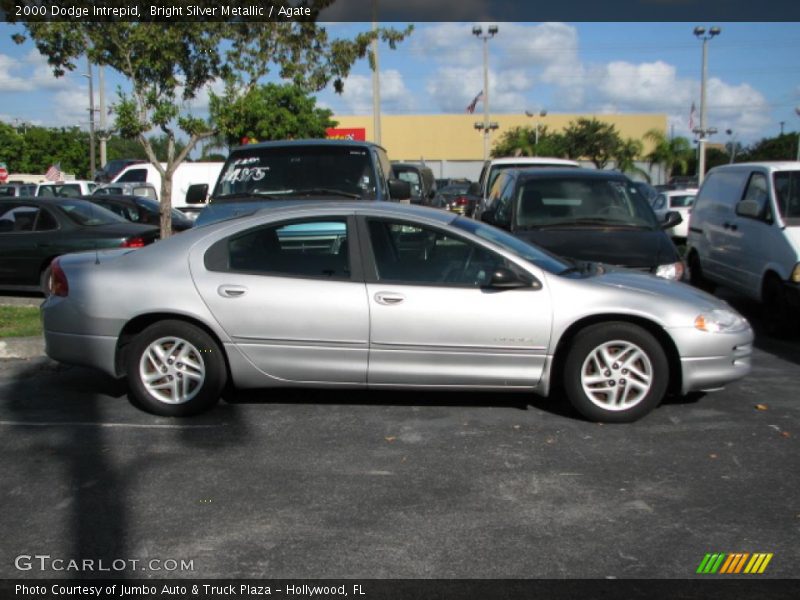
(454, 137)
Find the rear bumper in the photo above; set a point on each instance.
(94, 351)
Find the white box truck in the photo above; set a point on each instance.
(187, 174)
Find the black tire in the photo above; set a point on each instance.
(604, 406)
(696, 277)
(203, 385)
(776, 313)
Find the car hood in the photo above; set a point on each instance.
(624, 247)
(657, 287)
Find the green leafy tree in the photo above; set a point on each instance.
(521, 141)
(167, 64)
(673, 153)
(782, 147)
(269, 112)
(591, 139)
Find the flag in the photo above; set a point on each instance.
(54, 173)
(474, 103)
(691, 117)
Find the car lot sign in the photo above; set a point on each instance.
(3, 172)
(358, 134)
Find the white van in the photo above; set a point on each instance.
(187, 174)
(744, 233)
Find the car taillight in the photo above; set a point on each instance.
(134, 242)
(57, 284)
(462, 200)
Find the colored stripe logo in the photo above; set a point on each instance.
(734, 563)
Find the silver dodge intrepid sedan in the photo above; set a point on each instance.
(382, 295)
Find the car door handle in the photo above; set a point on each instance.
(730, 226)
(389, 298)
(231, 291)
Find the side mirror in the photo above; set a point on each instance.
(748, 208)
(671, 219)
(399, 190)
(505, 279)
(197, 193)
(474, 189)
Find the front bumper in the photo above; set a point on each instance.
(709, 361)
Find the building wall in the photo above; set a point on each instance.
(454, 137)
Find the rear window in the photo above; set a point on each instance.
(297, 170)
(88, 214)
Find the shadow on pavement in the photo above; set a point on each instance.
(81, 426)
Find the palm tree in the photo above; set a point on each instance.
(625, 156)
(671, 152)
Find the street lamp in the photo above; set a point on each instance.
(477, 31)
(703, 131)
(732, 144)
(542, 113)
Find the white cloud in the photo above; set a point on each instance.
(395, 96)
(28, 74)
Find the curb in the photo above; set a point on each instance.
(20, 301)
(22, 347)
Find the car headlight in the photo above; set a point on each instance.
(721, 321)
(673, 271)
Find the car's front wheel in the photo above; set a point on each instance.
(174, 369)
(615, 372)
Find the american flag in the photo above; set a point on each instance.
(691, 117)
(474, 103)
(54, 173)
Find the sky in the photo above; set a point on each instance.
(586, 68)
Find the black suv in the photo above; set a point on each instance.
(585, 215)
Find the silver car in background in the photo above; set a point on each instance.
(382, 295)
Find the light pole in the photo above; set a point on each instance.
(703, 131)
(487, 126)
(88, 75)
(542, 113)
(797, 112)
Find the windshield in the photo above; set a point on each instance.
(533, 254)
(495, 171)
(787, 194)
(556, 201)
(87, 213)
(293, 170)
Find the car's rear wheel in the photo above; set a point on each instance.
(615, 372)
(174, 369)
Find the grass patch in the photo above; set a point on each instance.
(19, 321)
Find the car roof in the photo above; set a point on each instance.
(560, 173)
(300, 208)
(770, 165)
(532, 160)
(308, 142)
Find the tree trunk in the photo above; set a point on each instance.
(166, 204)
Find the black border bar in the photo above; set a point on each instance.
(403, 10)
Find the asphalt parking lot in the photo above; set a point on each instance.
(318, 484)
